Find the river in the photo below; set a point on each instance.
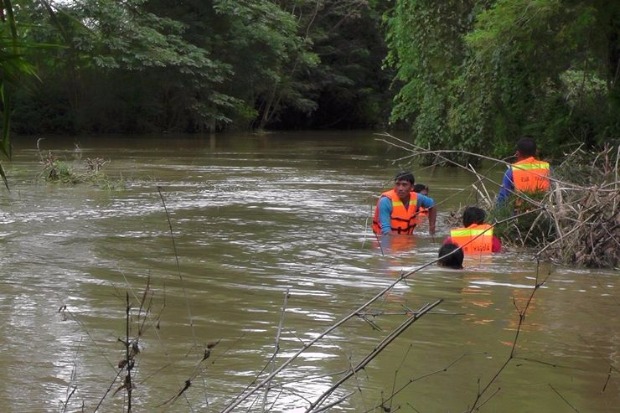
(234, 251)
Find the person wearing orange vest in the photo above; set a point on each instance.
(528, 175)
(397, 209)
(475, 237)
(421, 189)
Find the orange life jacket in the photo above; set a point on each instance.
(481, 237)
(403, 220)
(530, 175)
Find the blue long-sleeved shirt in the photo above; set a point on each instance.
(385, 210)
(507, 188)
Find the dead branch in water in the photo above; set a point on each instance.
(355, 313)
(276, 346)
(315, 407)
(522, 313)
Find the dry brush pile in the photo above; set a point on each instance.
(584, 209)
(578, 221)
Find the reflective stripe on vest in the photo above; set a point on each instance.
(475, 239)
(530, 175)
(403, 221)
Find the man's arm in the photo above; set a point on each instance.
(427, 202)
(432, 218)
(385, 215)
(506, 189)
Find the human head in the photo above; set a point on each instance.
(420, 189)
(403, 184)
(526, 147)
(473, 215)
(405, 176)
(451, 256)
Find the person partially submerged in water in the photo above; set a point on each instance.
(421, 189)
(451, 256)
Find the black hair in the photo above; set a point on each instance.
(473, 215)
(419, 188)
(451, 256)
(405, 176)
(527, 146)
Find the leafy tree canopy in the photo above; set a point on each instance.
(192, 65)
(478, 72)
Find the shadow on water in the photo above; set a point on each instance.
(252, 218)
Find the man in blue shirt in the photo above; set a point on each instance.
(397, 210)
(533, 173)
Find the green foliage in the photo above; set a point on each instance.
(196, 65)
(347, 89)
(533, 228)
(427, 49)
(124, 69)
(267, 46)
(488, 72)
(13, 67)
(55, 170)
(124, 35)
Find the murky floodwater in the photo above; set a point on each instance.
(205, 241)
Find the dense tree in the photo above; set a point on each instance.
(548, 68)
(195, 65)
(266, 45)
(122, 68)
(349, 86)
(467, 72)
(427, 49)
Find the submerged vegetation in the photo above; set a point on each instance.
(76, 171)
(466, 77)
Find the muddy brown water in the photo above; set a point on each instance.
(218, 229)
